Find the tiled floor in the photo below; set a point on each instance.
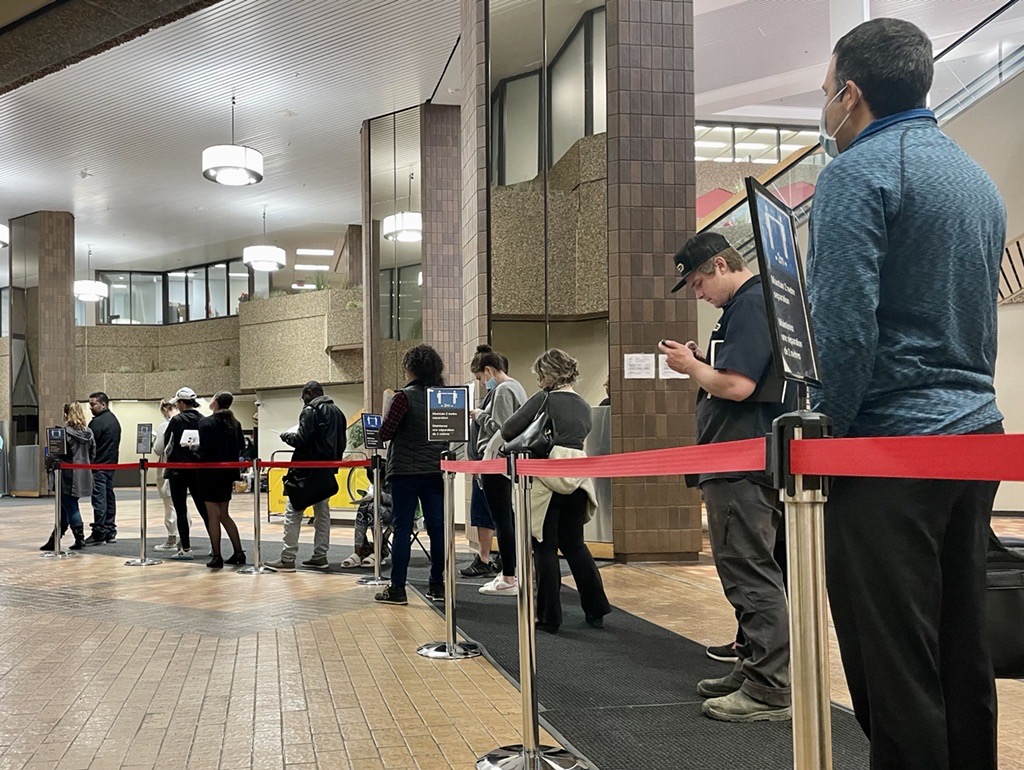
(107, 666)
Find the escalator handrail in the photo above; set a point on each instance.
(783, 167)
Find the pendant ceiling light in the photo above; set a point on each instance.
(264, 258)
(233, 164)
(5, 236)
(404, 226)
(90, 290)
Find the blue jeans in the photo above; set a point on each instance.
(104, 507)
(69, 513)
(428, 488)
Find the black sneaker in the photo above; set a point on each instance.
(436, 592)
(392, 595)
(727, 653)
(111, 539)
(317, 562)
(496, 564)
(236, 558)
(95, 539)
(477, 569)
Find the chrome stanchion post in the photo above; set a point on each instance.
(804, 497)
(451, 648)
(529, 755)
(257, 567)
(56, 553)
(378, 529)
(142, 561)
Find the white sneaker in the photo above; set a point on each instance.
(183, 556)
(170, 544)
(498, 587)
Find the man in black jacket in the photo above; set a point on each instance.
(320, 435)
(107, 431)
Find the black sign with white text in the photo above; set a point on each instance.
(448, 415)
(371, 430)
(782, 278)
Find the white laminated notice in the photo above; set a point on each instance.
(666, 372)
(638, 366)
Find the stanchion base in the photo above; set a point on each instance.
(369, 580)
(58, 555)
(545, 758)
(255, 569)
(440, 651)
(142, 562)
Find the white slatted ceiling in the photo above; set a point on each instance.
(137, 118)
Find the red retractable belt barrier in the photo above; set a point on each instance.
(318, 464)
(976, 457)
(99, 466)
(728, 457)
(475, 466)
(200, 466)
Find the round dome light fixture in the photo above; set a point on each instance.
(233, 165)
(91, 291)
(264, 258)
(405, 227)
(5, 236)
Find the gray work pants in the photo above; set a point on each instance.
(742, 519)
(321, 530)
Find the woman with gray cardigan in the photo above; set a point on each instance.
(561, 506)
(74, 483)
(506, 396)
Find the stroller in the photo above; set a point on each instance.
(362, 552)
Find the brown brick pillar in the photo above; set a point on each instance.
(440, 196)
(43, 256)
(351, 257)
(475, 286)
(651, 211)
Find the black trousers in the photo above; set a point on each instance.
(743, 520)
(498, 491)
(563, 529)
(905, 564)
(183, 484)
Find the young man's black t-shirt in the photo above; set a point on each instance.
(740, 343)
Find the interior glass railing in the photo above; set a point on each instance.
(974, 65)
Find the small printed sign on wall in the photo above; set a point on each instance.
(638, 366)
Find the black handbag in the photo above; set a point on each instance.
(304, 487)
(537, 440)
(1004, 610)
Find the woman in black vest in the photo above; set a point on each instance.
(220, 441)
(414, 472)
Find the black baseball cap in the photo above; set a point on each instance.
(695, 252)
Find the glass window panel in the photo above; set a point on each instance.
(147, 292)
(387, 293)
(80, 317)
(410, 302)
(568, 98)
(261, 280)
(177, 301)
(600, 75)
(197, 297)
(238, 285)
(522, 140)
(217, 290)
(116, 309)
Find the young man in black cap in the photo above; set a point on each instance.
(739, 396)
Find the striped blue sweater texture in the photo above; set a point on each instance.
(906, 239)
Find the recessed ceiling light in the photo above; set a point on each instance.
(238, 275)
(314, 268)
(314, 252)
(118, 286)
(303, 285)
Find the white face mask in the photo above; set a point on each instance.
(827, 140)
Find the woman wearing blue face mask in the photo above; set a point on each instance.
(505, 396)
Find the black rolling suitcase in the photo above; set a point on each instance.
(1004, 623)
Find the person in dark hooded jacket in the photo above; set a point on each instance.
(320, 435)
(74, 483)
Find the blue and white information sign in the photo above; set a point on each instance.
(371, 430)
(448, 415)
(783, 282)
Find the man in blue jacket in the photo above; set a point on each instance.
(906, 239)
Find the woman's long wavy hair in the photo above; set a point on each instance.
(555, 369)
